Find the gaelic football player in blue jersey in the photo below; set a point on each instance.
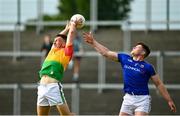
(136, 74)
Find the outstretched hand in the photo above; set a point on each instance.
(172, 106)
(88, 38)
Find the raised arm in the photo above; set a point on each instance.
(160, 86)
(71, 34)
(66, 29)
(69, 30)
(88, 38)
(63, 32)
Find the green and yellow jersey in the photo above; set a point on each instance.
(56, 62)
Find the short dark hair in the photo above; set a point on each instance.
(145, 47)
(64, 37)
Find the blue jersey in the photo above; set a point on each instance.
(136, 75)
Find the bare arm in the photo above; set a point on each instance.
(66, 29)
(70, 29)
(71, 34)
(159, 84)
(88, 37)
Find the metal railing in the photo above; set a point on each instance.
(75, 92)
(126, 28)
(76, 88)
(101, 61)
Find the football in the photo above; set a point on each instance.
(79, 20)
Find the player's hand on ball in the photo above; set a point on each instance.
(88, 38)
(79, 20)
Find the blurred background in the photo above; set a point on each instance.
(117, 24)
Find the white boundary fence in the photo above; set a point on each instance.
(76, 88)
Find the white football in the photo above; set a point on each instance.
(79, 20)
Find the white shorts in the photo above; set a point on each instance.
(50, 94)
(136, 103)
